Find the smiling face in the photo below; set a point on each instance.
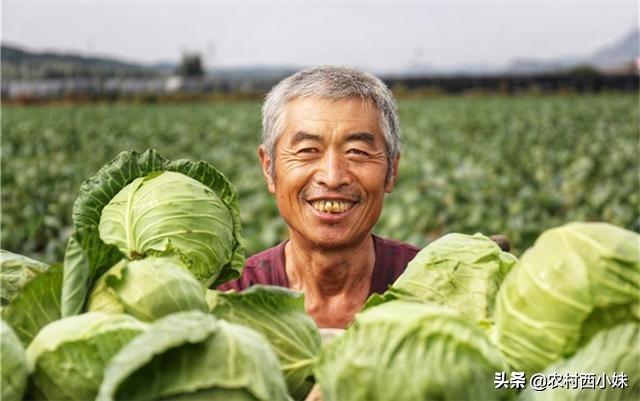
(330, 171)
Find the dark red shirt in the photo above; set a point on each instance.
(268, 267)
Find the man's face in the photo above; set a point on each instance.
(330, 170)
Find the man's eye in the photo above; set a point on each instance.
(357, 152)
(308, 150)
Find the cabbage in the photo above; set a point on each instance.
(15, 272)
(141, 205)
(35, 304)
(194, 356)
(13, 365)
(461, 271)
(278, 314)
(147, 289)
(67, 357)
(576, 280)
(406, 351)
(611, 351)
(170, 213)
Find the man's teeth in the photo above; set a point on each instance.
(331, 206)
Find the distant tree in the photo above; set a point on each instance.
(190, 66)
(583, 70)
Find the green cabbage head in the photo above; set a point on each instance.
(406, 351)
(141, 205)
(15, 272)
(577, 279)
(610, 351)
(279, 315)
(194, 356)
(67, 358)
(169, 213)
(35, 302)
(13, 365)
(148, 289)
(460, 271)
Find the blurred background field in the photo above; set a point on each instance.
(515, 165)
(516, 115)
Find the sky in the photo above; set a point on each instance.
(375, 35)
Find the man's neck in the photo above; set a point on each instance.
(335, 283)
(323, 274)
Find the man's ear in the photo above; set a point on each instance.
(265, 162)
(392, 180)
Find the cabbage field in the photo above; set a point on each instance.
(133, 313)
(493, 164)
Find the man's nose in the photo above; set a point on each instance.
(334, 170)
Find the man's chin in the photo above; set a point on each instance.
(334, 242)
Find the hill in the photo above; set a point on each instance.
(21, 64)
(617, 56)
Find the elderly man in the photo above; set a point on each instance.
(330, 152)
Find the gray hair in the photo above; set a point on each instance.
(333, 83)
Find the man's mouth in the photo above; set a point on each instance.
(332, 206)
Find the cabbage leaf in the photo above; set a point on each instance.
(460, 271)
(191, 356)
(610, 351)
(148, 289)
(36, 304)
(279, 314)
(406, 351)
(15, 271)
(66, 359)
(13, 365)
